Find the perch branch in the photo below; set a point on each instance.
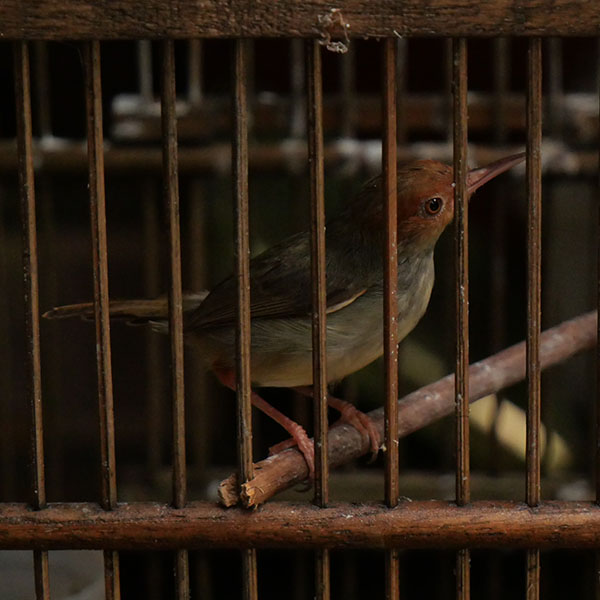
(283, 470)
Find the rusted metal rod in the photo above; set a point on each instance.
(31, 296)
(318, 267)
(426, 524)
(418, 409)
(95, 149)
(390, 304)
(171, 200)
(461, 258)
(314, 114)
(242, 272)
(84, 19)
(534, 296)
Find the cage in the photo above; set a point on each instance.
(189, 136)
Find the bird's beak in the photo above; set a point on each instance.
(477, 177)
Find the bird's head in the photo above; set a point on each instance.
(426, 195)
(425, 198)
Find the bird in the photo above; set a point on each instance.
(280, 294)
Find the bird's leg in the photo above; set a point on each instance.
(299, 435)
(351, 415)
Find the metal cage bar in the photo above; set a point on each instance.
(93, 96)
(461, 211)
(390, 302)
(31, 294)
(534, 240)
(81, 19)
(314, 104)
(171, 196)
(242, 273)
(419, 524)
(240, 161)
(319, 291)
(597, 399)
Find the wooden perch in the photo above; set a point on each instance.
(281, 471)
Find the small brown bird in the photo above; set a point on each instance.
(281, 342)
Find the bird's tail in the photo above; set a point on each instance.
(132, 311)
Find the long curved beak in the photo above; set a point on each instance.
(477, 177)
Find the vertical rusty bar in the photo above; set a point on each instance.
(463, 483)
(534, 241)
(597, 461)
(597, 482)
(93, 95)
(31, 296)
(314, 85)
(242, 273)
(171, 196)
(319, 289)
(390, 305)
(242, 257)
(390, 301)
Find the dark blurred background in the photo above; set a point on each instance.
(279, 206)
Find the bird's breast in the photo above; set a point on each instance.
(281, 349)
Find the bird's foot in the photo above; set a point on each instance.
(281, 446)
(360, 421)
(305, 445)
(352, 416)
(299, 435)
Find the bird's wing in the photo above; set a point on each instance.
(280, 287)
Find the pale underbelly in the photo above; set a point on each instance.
(281, 349)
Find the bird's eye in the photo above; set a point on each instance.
(433, 206)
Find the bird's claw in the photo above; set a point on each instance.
(305, 446)
(364, 425)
